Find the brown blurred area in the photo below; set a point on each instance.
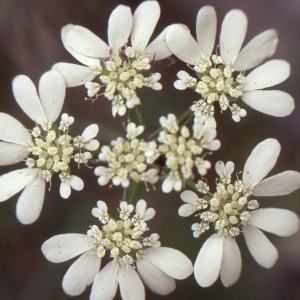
(30, 44)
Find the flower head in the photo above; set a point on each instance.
(135, 257)
(119, 67)
(230, 211)
(46, 149)
(221, 78)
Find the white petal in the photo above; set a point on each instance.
(13, 182)
(261, 161)
(149, 214)
(167, 185)
(76, 183)
(89, 133)
(232, 35)
(106, 283)
(208, 262)
(11, 153)
(11, 130)
(206, 29)
(81, 273)
(52, 94)
(155, 279)
(85, 42)
(86, 60)
(145, 18)
(140, 207)
(119, 26)
(262, 250)
(63, 247)
(183, 45)
(92, 145)
(231, 266)
(280, 184)
(274, 103)
(31, 201)
(131, 286)
(278, 221)
(257, 50)
(186, 210)
(170, 261)
(180, 85)
(65, 189)
(158, 48)
(26, 95)
(189, 197)
(74, 75)
(269, 74)
(220, 168)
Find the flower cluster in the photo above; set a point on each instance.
(229, 209)
(175, 153)
(182, 151)
(46, 148)
(128, 159)
(136, 258)
(221, 77)
(119, 67)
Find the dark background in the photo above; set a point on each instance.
(30, 44)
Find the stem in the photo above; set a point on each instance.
(131, 192)
(134, 117)
(184, 116)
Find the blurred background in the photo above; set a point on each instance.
(30, 44)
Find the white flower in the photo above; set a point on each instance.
(220, 253)
(117, 65)
(136, 259)
(45, 150)
(217, 80)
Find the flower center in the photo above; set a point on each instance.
(52, 150)
(217, 83)
(121, 75)
(228, 208)
(123, 238)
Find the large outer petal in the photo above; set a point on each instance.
(208, 262)
(86, 60)
(262, 250)
(11, 153)
(158, 48)
(145, 19)
(183, 45)
(171, 261)
(13, 182)
(11, 130)
(257, 50)
(63, 247)
(26, 95)
(269, 74)
(73, 74)
(274, 103)
(232, 35)
(131, 285)
(89, 132)
(119, 26)
(81, 273)
(280, 184)
(206, 29)
(261, 161)
(106, 283)
(31, 201)
(52, 91)
(231, 266)
(282, 222)
(85, 42)
(155, 279)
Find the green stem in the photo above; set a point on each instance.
(131, 192)
(184, 116)
(134, 117)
